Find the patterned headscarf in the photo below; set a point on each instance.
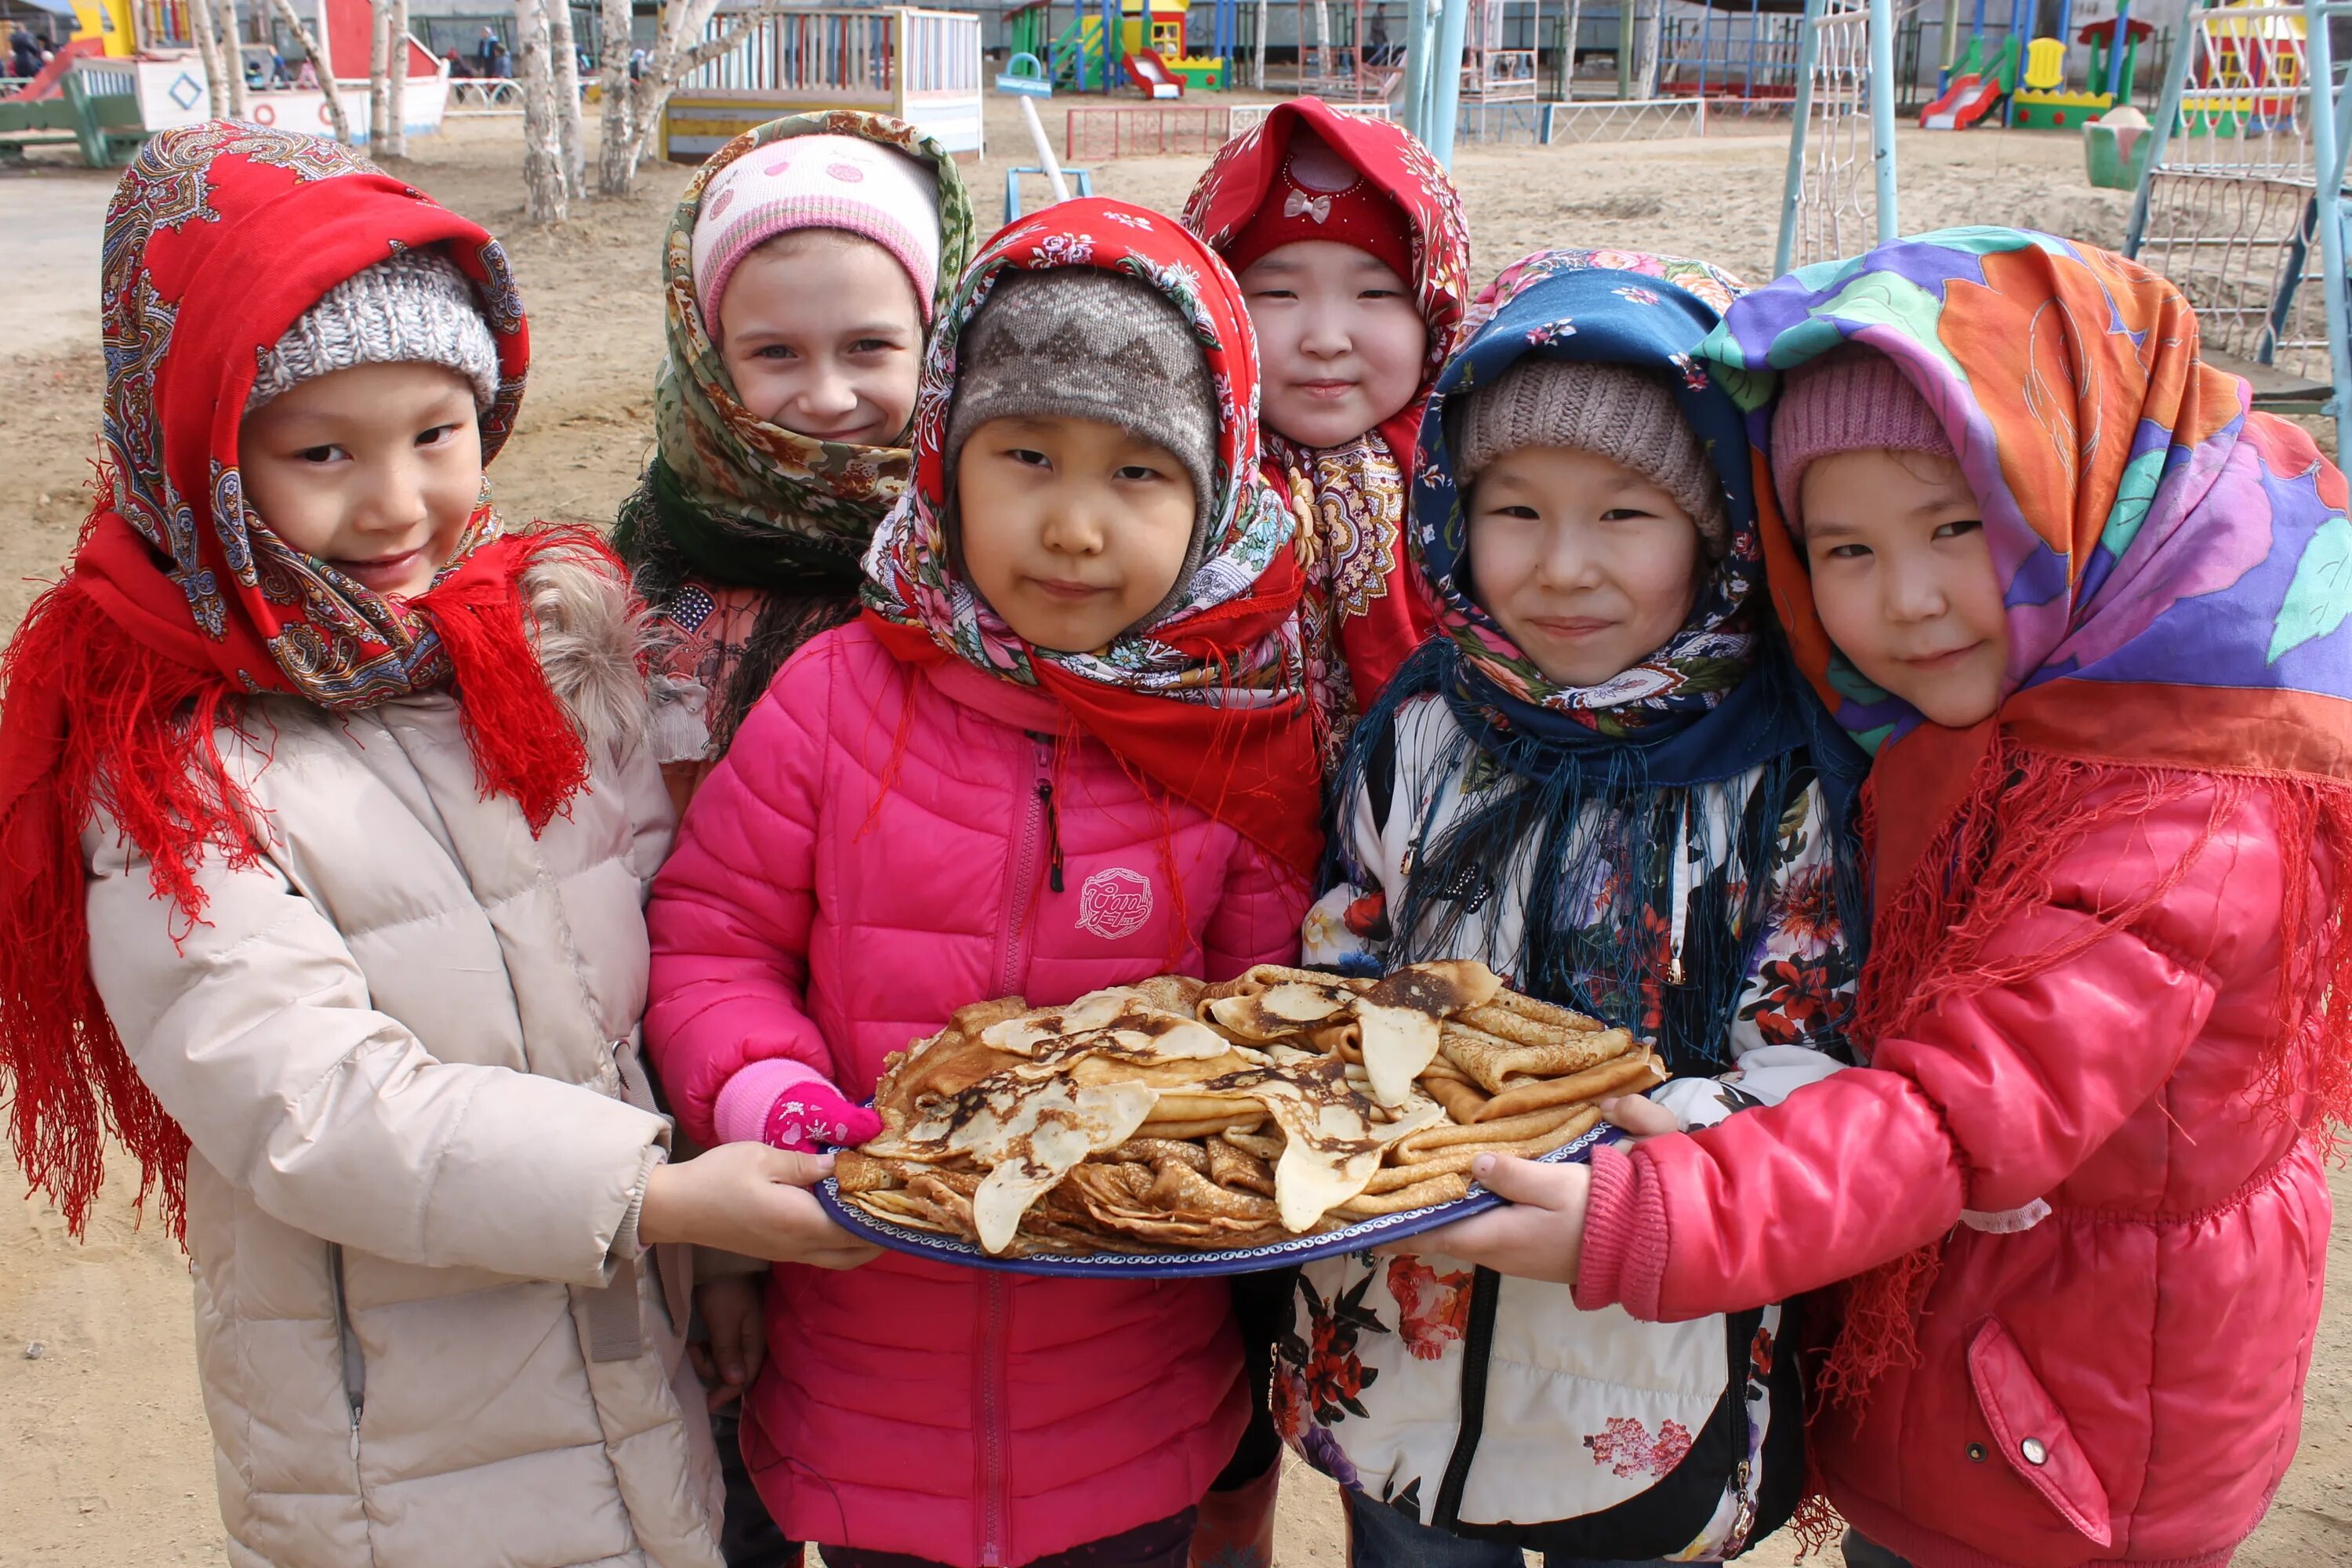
(740, 503)
(180, 602)
(1208, 699)
(1364, 617)
(1607, 771)
(2173, 567)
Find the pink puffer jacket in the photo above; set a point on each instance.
(2122, 1380)
(880, 846)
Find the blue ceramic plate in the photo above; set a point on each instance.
(1186, 1264)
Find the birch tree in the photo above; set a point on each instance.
(1322, 42)
(1258, 77)
(633, 110)
(1651, 46)
(379, 87)
(570, 136)
(233, 48)
(208, 54)
(544, 197)
(327, 89)
(1567, 68)
(395, 97)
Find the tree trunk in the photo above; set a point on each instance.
(379, 89)
(1568, 66)
(395, 84)
(208, 54)
(327, 90)
(1322, 41)
(1650, 63)
(564, 51)
(617, 167)
(544, 199)
(234, 63)
(1257, 71)
(675, 56)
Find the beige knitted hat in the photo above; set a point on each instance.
(1626, 415)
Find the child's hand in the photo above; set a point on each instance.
(730, 1309)
(808, 1114)
(1537, 1235)
(748, 1199)
(1639, 1115)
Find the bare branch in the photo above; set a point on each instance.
(302, 29)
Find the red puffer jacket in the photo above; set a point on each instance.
(2122, 1380)
(882, 844)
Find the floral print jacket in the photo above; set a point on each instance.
(1492, 1406)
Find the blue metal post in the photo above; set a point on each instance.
(1801, 113)
(2115, 49)
(2168, 115)
(1445, 86)
(1882, 114)
(2327, 152)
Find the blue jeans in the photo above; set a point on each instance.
(1381, 1537)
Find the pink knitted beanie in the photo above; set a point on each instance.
(818, 182)
(1852, 399)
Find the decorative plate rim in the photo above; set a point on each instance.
(1357, 1238)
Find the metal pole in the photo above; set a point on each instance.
(1951, 43)
(1800, 114)
(2176, 86)
(2327, 150)
(1624, 49)
(1445, 95)
(1882, 111)
(2115, 49)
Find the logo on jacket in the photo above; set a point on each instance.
(1114, 903)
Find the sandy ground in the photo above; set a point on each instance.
(104, 1457)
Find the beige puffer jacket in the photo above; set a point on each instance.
(405, 1048)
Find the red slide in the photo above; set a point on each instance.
(1969, 99)
(1150, 73)
(51, 83)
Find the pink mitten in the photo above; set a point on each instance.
(813, 1113)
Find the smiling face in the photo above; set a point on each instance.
(1073, 530)
(1340, 341)
(1585, 564)
(373, 470)
(822, 334)
(1903, 579)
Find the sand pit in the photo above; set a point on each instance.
(104, 1457)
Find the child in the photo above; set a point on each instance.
(1603, 781)
(1066, 748)
(1348, 239)
(2085, 608)
(326, 820)
(802, 268)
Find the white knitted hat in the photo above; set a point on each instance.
(818, 182)
(414, 309)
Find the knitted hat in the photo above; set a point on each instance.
(818, 182)
(1851, 399)
(1625, 415)
(1317, 194)
(1088, 344)
(414, 309)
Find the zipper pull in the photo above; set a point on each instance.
(1052, 835)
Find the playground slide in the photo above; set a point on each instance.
(1150, 73)
(51, 83)
(1969, 99)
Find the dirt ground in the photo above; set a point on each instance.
(104, 1458)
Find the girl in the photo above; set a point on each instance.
(2085, 606)
(327, 820)
(1605, 782)
(1066, 748)
(1348, 239)
(805, 261)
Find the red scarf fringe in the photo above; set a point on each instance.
(2024, 811)
(95, 721)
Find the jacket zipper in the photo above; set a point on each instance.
(1053, 819)
(991, 1426)
(354, 1369)
(1021, 887)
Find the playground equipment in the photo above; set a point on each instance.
(922, 66)
(1748, 53)
(1146, 44)
(2241, 205)
(1842, 126)
(1491, 73)
(1349, 70)
(1978, 85)
(97, 111)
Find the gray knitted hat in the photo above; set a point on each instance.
(1088, 344)
(414, 309)
(1626, 415)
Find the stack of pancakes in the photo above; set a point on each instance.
(1172, 1115)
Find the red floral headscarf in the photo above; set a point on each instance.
(1364, 611)
(1207, 701)
(180, 602)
